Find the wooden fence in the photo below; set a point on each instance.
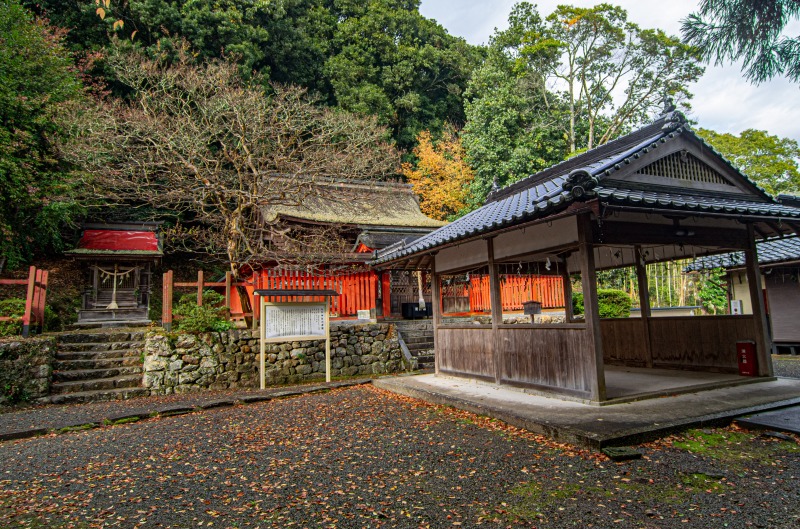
(169, 285)
(357, 290)
(35, 299)
(514, 291)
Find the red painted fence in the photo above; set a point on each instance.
(357, 290)
(514, 291)
(35, 299)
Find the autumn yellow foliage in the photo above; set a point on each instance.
(440, 177)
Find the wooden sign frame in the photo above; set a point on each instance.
(326, 336)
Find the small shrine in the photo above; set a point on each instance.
(118, 277)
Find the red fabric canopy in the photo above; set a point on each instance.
(116, 240)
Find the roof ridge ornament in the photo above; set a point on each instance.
(580, 183)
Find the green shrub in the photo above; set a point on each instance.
(14, 308)
(210, 317)
(611, 303)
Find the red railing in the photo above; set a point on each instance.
(231, 296)
(514, 291)
(35, 298)
(357, 290)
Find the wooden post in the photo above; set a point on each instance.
(262, 347)
(41, 298)
(166, 301)
(437, 315)
(327, 339)
(95, 284)
(26, 317)
(257, 307)
(228, 280)
(496, 305)
(594, 356)
(644, 303)
(567, 288)
(386, 293)
(199, 288)
(762, 339)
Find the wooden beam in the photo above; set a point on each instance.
(627, 233)
(593, 357)
(763, 342)
(760, 232)
(497, 308)
(644, 303)
(199, 288)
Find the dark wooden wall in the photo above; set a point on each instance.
(466, 351)
(552, 358)
(687, 342)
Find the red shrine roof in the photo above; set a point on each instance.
(118, 242)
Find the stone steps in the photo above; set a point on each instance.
(98, 364)
(99, 395)
(86, 375)
(419, 339)
(115, 382)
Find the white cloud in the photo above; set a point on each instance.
(723, 100)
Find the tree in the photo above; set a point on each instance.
(440, 176)
(614, 72)
(390, 61)
(200, 142)
(36, 79)
(749, 31)
(379, 57)
(769, 160)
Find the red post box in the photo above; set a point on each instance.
(746, 355)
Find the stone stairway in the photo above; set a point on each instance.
(418, 337)
(98, 364)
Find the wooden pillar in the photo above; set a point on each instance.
(228, 281)
(593, 357)
(166, 301)
(386, 293)
(496, 304)
(437, 315)
(95, 283)
(199, 288)
(644, 303)
(26, 317)
(762, 339)
(566, 283)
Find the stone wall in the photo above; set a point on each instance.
(185, 362)
(26, 368)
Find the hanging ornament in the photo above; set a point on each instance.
(547, 264)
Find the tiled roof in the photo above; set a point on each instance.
(772, 251)
(591, 175)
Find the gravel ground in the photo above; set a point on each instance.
(786, 366)
(55, 416)
(362, 457)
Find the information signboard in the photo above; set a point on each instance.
(294, 321)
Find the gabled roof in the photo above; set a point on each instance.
(592, 175)
(123, 240)
(374, 204)
(770, 253)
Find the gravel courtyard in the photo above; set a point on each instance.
(362, 457)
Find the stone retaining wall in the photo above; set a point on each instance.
(26, 368)
(186, 362)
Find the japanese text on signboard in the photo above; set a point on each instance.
(295, 320)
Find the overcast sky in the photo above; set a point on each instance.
(723, 100)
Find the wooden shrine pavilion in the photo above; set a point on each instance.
(658, 194)
(118, 276)
(367, 217)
